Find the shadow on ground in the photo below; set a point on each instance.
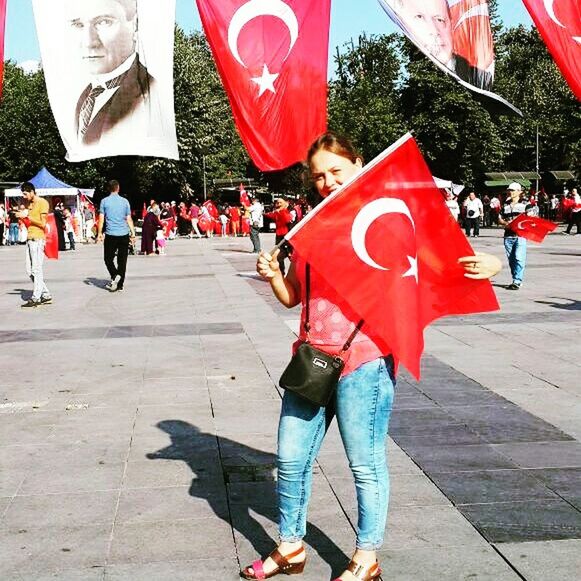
(96, 282)
(238, 464)
(572, 305)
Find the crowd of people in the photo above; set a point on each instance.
(474, 212)
(169, 220)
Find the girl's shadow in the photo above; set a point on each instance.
(247, 475)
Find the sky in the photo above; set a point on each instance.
(349, 19)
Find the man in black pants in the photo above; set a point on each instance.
(115, 214)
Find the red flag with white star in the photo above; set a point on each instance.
(272, 57)
(531, 227)
(559, 23)
(388, 245)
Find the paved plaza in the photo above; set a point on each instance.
(138, 429)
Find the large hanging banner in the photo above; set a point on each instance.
(456, 36)
(2, 30)
(109, 74)
(559, 23)
(272, 57)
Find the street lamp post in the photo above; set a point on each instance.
(204, 170)
(537, 178)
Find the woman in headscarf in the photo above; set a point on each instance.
(151, 224)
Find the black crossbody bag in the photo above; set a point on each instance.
(313, 374)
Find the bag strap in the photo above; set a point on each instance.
(308, 313)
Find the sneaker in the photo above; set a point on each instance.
(112, 286)
(120, 289)
(46, 300)
(30, 304)
(513, 286)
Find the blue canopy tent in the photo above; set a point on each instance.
(48, 186)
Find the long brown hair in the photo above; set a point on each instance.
(335, 143)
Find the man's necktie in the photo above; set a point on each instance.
(89, 103)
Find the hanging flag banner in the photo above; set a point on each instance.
(559, 22)
(2, 37)
(395, 251)
(456, 36)
(272, 57)
(109, 74)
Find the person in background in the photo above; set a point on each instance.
(554, 207)
(115, 215)
(234, 215)
(223, 224)
(35, 218)
(282, 219)
(494, 210)
(89, 219)
(474, 211)
(453, 206)
(256, 222)
(69, 230)
(514, 245)
(3, 217)
(194, 217)
(575, 212)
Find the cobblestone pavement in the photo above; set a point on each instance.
(138, 429)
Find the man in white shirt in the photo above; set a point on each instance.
(256, 222)
(474, 211)
(575, 218)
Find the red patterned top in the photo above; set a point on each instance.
(332, 322)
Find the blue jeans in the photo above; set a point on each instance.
(13, 233)
(516, 252)
(362, 403)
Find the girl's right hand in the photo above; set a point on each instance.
(267, 265)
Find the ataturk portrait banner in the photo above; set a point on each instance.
(456, 36)
(108, 66)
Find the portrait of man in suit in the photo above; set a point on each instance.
(118, 102)
(430, 24)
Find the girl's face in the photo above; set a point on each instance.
(330, 171)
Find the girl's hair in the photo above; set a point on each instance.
(335, 143)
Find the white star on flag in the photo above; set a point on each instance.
(266, 82)
(413, 271)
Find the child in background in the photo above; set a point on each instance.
(224, 224)
(160, 241)
(69, 230)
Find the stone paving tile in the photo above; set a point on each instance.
(566, 482)
(10, 481)
(535, 520)
(175, 503)
(61, 510)
(543, 454)
(545, 560)
(465, 458)
(17, 458)
(52, 549)
(157, 474)
(73, 479)
(95, 573)
(202, 569)
(491, 486)
(434, 526)
(450, 435)
(151, 542)
(453, 564)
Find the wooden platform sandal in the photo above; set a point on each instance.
(363, 573)
(282, 562)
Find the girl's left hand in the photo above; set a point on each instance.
(481, 266)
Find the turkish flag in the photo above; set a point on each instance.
(559, 22)
(531, 227)
(472, 33)
(51, 247)
(244, 199)
(272, 57)
(388, 245)
(211, 207)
